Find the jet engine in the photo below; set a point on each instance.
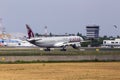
(76, 46)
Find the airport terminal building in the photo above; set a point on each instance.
(111, 43)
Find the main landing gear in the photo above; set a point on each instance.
(64, 48)
(47, 49)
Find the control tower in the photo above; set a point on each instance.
(92, 31)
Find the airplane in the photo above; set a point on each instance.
(54, 42)
(15, 43)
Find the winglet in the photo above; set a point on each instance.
(30, 32)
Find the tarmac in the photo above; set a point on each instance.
(61, 58)
(14, 58)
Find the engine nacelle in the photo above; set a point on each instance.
(76, 46)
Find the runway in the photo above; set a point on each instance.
(60, 58)
(10, 54)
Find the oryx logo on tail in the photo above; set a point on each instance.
(30, 32)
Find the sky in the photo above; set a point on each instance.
(61, 16)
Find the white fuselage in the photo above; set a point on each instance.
(50, 42)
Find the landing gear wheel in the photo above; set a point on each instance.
(47, 49)
(63, 49)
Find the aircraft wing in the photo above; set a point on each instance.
(60, 44)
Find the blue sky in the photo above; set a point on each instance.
(61, 16)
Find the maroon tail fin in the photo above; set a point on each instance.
(30, 32)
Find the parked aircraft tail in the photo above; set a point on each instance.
(30, 32)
